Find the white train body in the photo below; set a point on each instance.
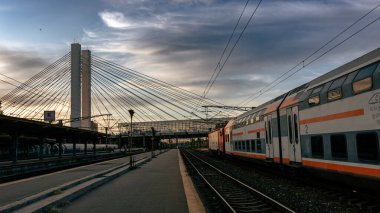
(329, 124)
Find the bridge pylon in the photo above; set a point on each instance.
(80, 87)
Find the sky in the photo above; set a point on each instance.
(181, 41)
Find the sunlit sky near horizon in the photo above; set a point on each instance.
(180, 41)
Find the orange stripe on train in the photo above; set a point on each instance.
(249, 155)
(343, 168)
(256, 130)
(236, 134)
(348, 114)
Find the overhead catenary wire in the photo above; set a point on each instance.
(233, 47)
(302, 63)
(224, 50)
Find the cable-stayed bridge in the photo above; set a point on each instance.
(82, 85)
(81, 98)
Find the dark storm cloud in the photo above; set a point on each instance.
(20, 60)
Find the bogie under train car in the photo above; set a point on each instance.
(331, 124)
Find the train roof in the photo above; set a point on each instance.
(230, 123)
(351, 66)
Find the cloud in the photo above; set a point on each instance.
(114, 19)
(15, 62)
(21, 61)
(181, 41)
(89, 33)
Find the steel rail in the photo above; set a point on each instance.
(266, 198)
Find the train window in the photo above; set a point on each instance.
(317, 146)
(314, 97)
(252, 118)
(337, 83)
(258, 146)
(257, 135)
(334, 94)
(314, 100)
(295, 120)
(257, 119)
(259, 116)
(316, 90)
(362, 85)
(338, 146)
(363, 80)
(243, 146)
(335, 90)
(366, 71)
(253, 146)
(367, 146)
(290, 129)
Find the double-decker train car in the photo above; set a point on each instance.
(331, 124)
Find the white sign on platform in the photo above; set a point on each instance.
(49, 115)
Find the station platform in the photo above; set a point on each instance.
(20, 189)
(160, 185)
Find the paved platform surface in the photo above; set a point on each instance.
(154, 187)
(17, 190)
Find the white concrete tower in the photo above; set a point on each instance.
(75, 84)
(86, 89)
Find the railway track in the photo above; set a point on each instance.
(232, 193)
(298, 189)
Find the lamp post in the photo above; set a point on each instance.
(131, 112)
(152, 138)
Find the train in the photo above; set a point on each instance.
(53, 149)
(329, 126)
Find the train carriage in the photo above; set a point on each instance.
(248, 138)
(228, 147)
(213, 138)
(289, 123)
(339, 119)
(331, 124)
(272, 132)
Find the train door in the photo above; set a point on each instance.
(269, 137)
(294, 135)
